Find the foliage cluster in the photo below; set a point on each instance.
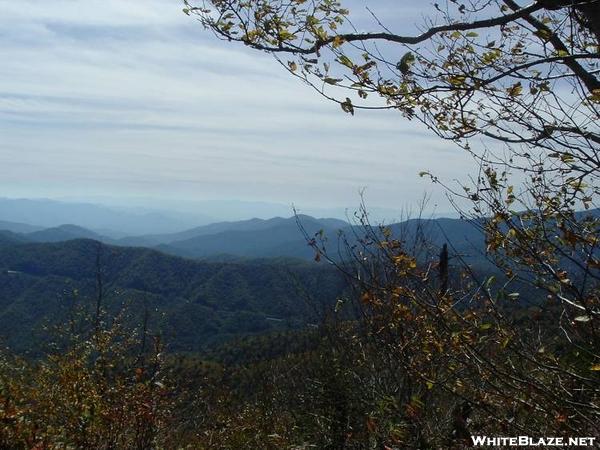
(99, 388)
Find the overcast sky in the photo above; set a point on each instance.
(132, 98)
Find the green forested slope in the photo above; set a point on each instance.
(193, 304)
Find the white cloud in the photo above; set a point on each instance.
(131, 97)
(109, 13)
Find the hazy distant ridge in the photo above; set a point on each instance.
(46, 213)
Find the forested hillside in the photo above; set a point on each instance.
(194, 304)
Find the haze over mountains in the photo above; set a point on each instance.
(110, 221)
(23, 221)
(117, 218)
(51, 221)
(203, 284)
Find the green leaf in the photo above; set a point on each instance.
(332, 81)
(567, 158)
(543, 34)
(345, 61)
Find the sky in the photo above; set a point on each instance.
(133, 101)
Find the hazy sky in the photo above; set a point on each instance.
(132, 98)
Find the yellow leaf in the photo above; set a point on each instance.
(337, 42)
(457, 80)
(515, 90)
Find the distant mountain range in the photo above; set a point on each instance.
(40, 220)
(234, 278)
(17, 227)
(196, 304)
(64, 233)
(259, 238)
(254, 238)
(220, 227)
(113, 222)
